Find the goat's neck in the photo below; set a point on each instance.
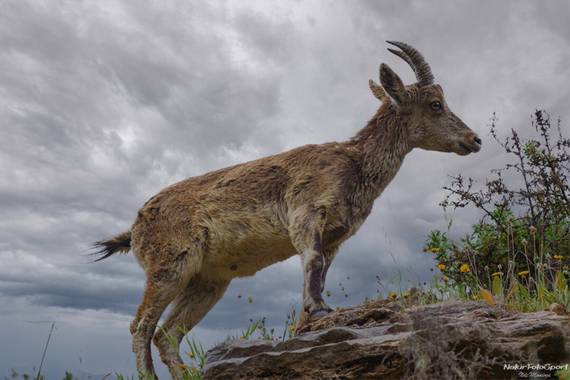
(383, 144)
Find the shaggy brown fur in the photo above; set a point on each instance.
(195, 236)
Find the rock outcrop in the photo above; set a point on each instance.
(383, 340)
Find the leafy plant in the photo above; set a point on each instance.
(520, 248)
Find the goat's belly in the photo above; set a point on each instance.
(243, 254)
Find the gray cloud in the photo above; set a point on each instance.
(105, 103)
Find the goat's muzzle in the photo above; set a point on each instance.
(471, 144)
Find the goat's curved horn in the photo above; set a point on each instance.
(415, 60)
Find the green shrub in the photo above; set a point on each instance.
(521, 244)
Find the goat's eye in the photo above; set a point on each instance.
(436, 106)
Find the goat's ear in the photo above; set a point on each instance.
(392, 83)
(377, 91)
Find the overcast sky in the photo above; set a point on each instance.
(104, 103)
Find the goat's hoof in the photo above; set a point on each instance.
(319, 313)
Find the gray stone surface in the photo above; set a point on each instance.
(384, 340)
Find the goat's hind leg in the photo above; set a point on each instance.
(163, 284)
(155, 299)
(190, 307)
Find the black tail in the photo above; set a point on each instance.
(120, 243)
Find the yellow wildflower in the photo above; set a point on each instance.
(496, 274)
(435, 250)
(523, 273)
(557, 257)
(392, 295)
(441, 266)
(464, 268)
(445, 278)
(487, 296)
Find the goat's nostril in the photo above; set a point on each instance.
(477, 140)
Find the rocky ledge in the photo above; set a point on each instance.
(383, 339)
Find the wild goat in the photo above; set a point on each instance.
(195, 236)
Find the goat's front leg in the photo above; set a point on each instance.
(306, 234)
(314, 281)
(329, 257)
